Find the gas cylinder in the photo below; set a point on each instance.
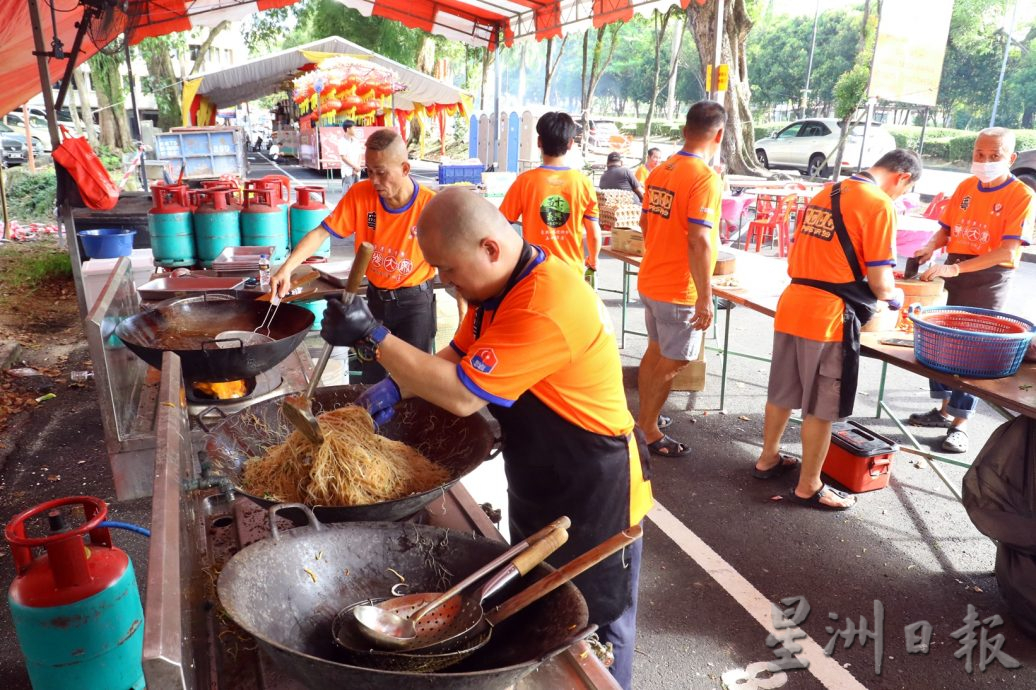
(76, 609)
(170, 226)
(263, 224)
(216, 223)
(308, 212)
(234, 200)
(280, 185)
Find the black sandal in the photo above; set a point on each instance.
(785, 463)
(664, 421)
(815, 502)
(667, 447)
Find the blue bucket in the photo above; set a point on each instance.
(107, 243)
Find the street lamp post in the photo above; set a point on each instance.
(1003, 65)
(809, 67)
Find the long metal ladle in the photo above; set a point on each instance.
(299, 408)
(389, 630)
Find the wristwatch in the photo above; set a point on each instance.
(367, 349)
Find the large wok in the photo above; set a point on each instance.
(459, 444)
(189, 328)
(266, 589)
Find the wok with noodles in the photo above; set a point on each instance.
(354, 466)
(360, 475)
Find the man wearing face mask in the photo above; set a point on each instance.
(989, 218)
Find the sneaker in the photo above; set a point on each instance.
(956, 441)
(931, 418)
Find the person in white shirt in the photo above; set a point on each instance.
(350, 150)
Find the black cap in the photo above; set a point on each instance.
(614, 157)
(348, 123)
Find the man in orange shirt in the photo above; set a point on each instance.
(681, 240)
(382, 210)
(538, 349)
(654, 157)
(849, 232)
(989, 218)
(555, 203)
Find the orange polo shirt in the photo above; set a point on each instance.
(552, 203)
(641, 173)
(552, 336)
(679, 192)
(870, 220)
(978, 218)
(397, 261)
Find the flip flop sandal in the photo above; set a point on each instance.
(956, 441)
(815, 502)
(667, 447)
(785, 463)
(931, 418)
(664, 421)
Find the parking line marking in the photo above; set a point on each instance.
(826, 669)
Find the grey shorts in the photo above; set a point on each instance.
(806, 375)
(670, 325)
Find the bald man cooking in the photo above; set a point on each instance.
(382, 210)
(536, 348)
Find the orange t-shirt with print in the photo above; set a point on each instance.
(552, 336)
(870, 220)
(397, 261)
(680, 192)
(552, 203)
(978, 218)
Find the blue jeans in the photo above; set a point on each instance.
(622, 631)
(961, 404)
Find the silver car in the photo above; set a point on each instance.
(810, 146)
(1025, 168)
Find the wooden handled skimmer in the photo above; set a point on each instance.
(299, 409)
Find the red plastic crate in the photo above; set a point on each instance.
(859, 459)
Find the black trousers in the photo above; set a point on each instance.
(409, 313)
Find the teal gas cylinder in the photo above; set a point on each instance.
(216, 223)
(263, 224)
(169, 224)
(76, 609)
(280, 185)
(307, 213)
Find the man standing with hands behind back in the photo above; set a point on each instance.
(988, 219)
(681, 241)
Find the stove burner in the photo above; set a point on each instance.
(225, 391)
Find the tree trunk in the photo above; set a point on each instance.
(661, 22)
(599, 63)
(86, 114)
(199, 62)
(670, 101)
(738, 151)
(487, 60)
(110, 98)
(551, 69)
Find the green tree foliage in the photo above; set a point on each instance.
(972, 63)
(161, 79)
(323, 18)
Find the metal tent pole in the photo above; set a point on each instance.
(1003, 65)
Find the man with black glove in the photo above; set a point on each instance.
(538, 349)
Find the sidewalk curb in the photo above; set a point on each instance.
(9, 352)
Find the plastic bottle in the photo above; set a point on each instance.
(264, 272)
(80, 376)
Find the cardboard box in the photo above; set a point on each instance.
(628, 241)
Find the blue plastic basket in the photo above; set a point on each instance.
(972, 342)
(107, 243)
(451, 174)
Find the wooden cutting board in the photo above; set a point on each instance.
(725, 264)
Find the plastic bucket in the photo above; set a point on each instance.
(107, 243)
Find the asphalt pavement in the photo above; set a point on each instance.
(720, 550)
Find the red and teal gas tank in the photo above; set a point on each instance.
(169, 224)
(309, 211)
(263, 223)
(76, 608)
(217, 222)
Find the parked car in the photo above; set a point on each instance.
(1025, 168)
(810, 146)
(601, 131)
(15, 149)
(37, 125)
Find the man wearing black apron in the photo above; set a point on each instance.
(988, 219)
(840, 266)
(537, 348)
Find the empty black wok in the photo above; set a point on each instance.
(459, 444)
(286, 590)
(189, 329)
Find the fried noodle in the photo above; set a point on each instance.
(354, 466)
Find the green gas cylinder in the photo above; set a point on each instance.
(309, 211)
(216, 223)
(169, 224)
(76, 609)
(263, 224)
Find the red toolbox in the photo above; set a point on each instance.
(859, 459)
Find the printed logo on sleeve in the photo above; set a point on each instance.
(484, 360)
